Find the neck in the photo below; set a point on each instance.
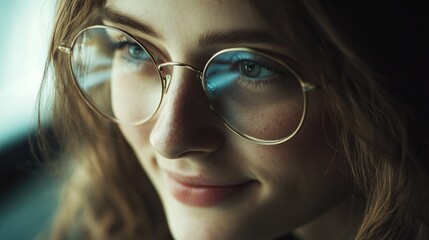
(340, 222)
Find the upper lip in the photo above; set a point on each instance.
(198, 181)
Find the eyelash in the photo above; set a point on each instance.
(120, 42)
(124, 41)
(248, 82)
(121, 46)
(253, 60)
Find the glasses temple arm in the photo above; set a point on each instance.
(309, 87)
(63, 49)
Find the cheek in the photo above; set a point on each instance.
(138, 138)
(305, 172)
(136, 91)
(311, 150)
(308, 155)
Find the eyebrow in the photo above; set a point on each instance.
(126, 20)
(212, 37)
(240, 36)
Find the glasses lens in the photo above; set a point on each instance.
(254, 94)
(116, 75)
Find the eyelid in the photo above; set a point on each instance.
(154, 49)
(122, 38)
(152, 44)
(262, 61)
(158, 55)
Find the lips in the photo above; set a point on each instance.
(199, 192)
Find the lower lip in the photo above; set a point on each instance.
(203, 196)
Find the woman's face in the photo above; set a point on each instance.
(213, 184)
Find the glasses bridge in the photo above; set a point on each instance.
(167, 77)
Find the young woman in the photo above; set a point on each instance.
(240, 120)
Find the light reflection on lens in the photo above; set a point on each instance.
(255, 94)
(266, 103)
(116, 75)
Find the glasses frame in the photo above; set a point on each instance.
(166, 79)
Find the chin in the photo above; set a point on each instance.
(223, 223)
(198, 229)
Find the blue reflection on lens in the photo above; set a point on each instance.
(217, 67)
(219, 74)
(220, 80)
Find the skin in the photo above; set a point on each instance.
(300, 185)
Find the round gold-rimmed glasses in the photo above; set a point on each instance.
(258, 96)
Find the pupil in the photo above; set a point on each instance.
(135, 51)
(251, 69)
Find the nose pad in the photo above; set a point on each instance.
(166, 70)
(166, 81)
(185, 123)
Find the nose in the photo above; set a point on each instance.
(185, 125)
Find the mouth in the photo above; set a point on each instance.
(199, 192)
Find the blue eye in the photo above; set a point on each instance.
(253, 66)
(131, 51)
(254, 69)
(136, 52)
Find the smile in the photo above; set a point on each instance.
(198, 192)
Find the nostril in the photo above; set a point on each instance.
(185, 129)
(177, 143)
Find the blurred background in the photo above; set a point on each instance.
(28, 192)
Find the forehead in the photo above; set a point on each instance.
(185, 21)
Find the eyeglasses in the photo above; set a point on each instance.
(258, 96)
